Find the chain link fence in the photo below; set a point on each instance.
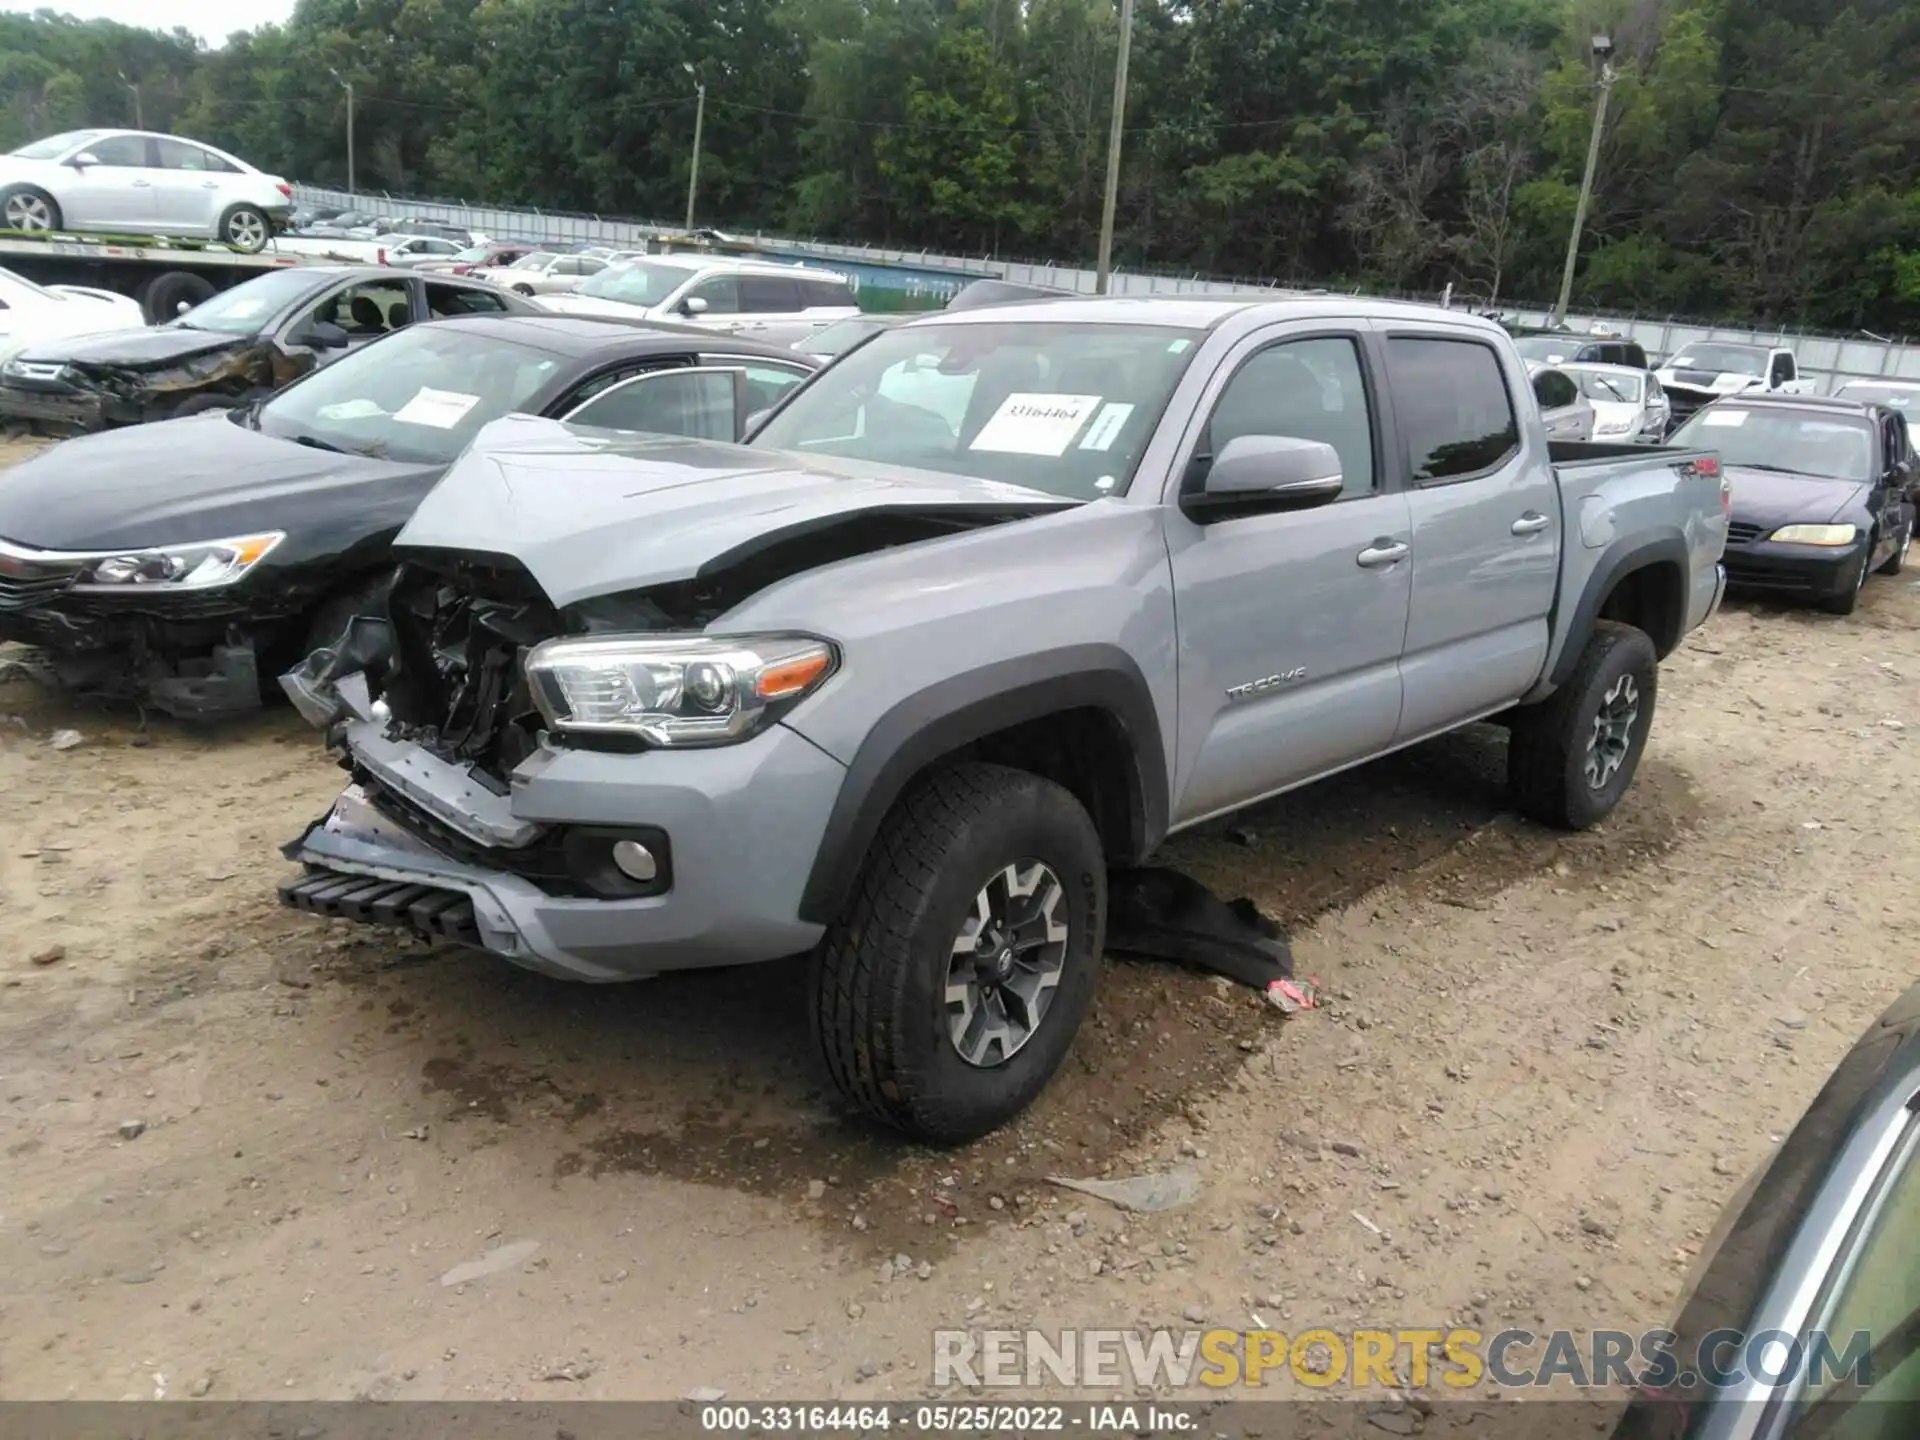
(933, 278)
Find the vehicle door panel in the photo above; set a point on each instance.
(1289, 646)
(118, 191)
(1485, 512)
(186, 187)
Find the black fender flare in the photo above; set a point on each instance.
(967, 707)
(1621, 558)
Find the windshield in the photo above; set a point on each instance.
(1899, 397)
(1608, 388)
(1726, 359)
(244, 309)
(636, 283)
(1062, 408)
(418, 395)
(1794, 442)
(1550, 349)
(11, 280)
(54, 146)
(842, 335)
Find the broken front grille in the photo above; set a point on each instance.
(32, 577)
(425, 910)
(1740, 532)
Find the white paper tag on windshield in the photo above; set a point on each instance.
(1106, 427)
(1034, 424)
(1723, 418)
(349, 410)
(442, 409)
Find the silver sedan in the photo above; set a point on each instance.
(544, 273)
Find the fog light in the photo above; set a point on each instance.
(636, 862)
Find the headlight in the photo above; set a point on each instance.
(680, 692)
(1815, 534)
(177, 567)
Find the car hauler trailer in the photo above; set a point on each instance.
(165, 276)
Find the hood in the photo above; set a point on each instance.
(588, 305)
(200, 478)
(1721, 382)
(592, 514)
(1771, 499)
(144, 349)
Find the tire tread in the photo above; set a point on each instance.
(1540, 747)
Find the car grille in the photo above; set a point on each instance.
(1740, 532)
(426, 910)
(544, 862)
(28, 578)
(1683, 402)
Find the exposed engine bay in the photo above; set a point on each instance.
(444, 668)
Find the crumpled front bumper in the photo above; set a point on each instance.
(421, 844)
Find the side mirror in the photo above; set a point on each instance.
(83, 160)
(693, 305)
(1262, 474)
(323, 335)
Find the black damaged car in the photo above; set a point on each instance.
(1823, 492)
(186, 564)
(238, 346)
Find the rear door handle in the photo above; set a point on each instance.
(1381, 553)
(1531, 523)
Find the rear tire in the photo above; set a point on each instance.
(165, 294)
(910, 1014)
(526, 290)
(246, 228)
(1572, 757)
(29, 208)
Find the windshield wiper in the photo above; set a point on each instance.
(314, 442)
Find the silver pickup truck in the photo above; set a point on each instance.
(995, 602)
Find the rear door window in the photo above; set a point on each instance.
(1451, 401)
(768, 295)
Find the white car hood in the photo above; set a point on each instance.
(588, 305)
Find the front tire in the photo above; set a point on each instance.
(246, 228)
(1897, 561)
(949, 992)
(29, 208)
(1848, 600)
(1572, 757)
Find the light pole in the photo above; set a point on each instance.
(139, 115)
(347, 85)
(1603, 52)
(699, 124)
(1112, 198)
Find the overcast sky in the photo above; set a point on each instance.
(212, 20)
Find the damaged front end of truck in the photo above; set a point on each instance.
(488, 812)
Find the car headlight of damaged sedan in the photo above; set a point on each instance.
(204, 566)
(681, 692)
(1815, 534)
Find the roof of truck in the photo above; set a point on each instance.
(1203, 312)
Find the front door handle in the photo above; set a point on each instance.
(1531, 523)
(1381, 553)
(142, 184)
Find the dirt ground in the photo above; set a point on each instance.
(245, 1152)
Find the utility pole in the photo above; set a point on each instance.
(1603, 52)
(347, 85)
(139, 113)
(699, 124)
(1112, 199)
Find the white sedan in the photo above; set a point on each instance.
(135, 182)
(30, 313)
(544, 273)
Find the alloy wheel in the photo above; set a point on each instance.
(1612, 736)
(1006, 964)
(28, 212)
(247, 231)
